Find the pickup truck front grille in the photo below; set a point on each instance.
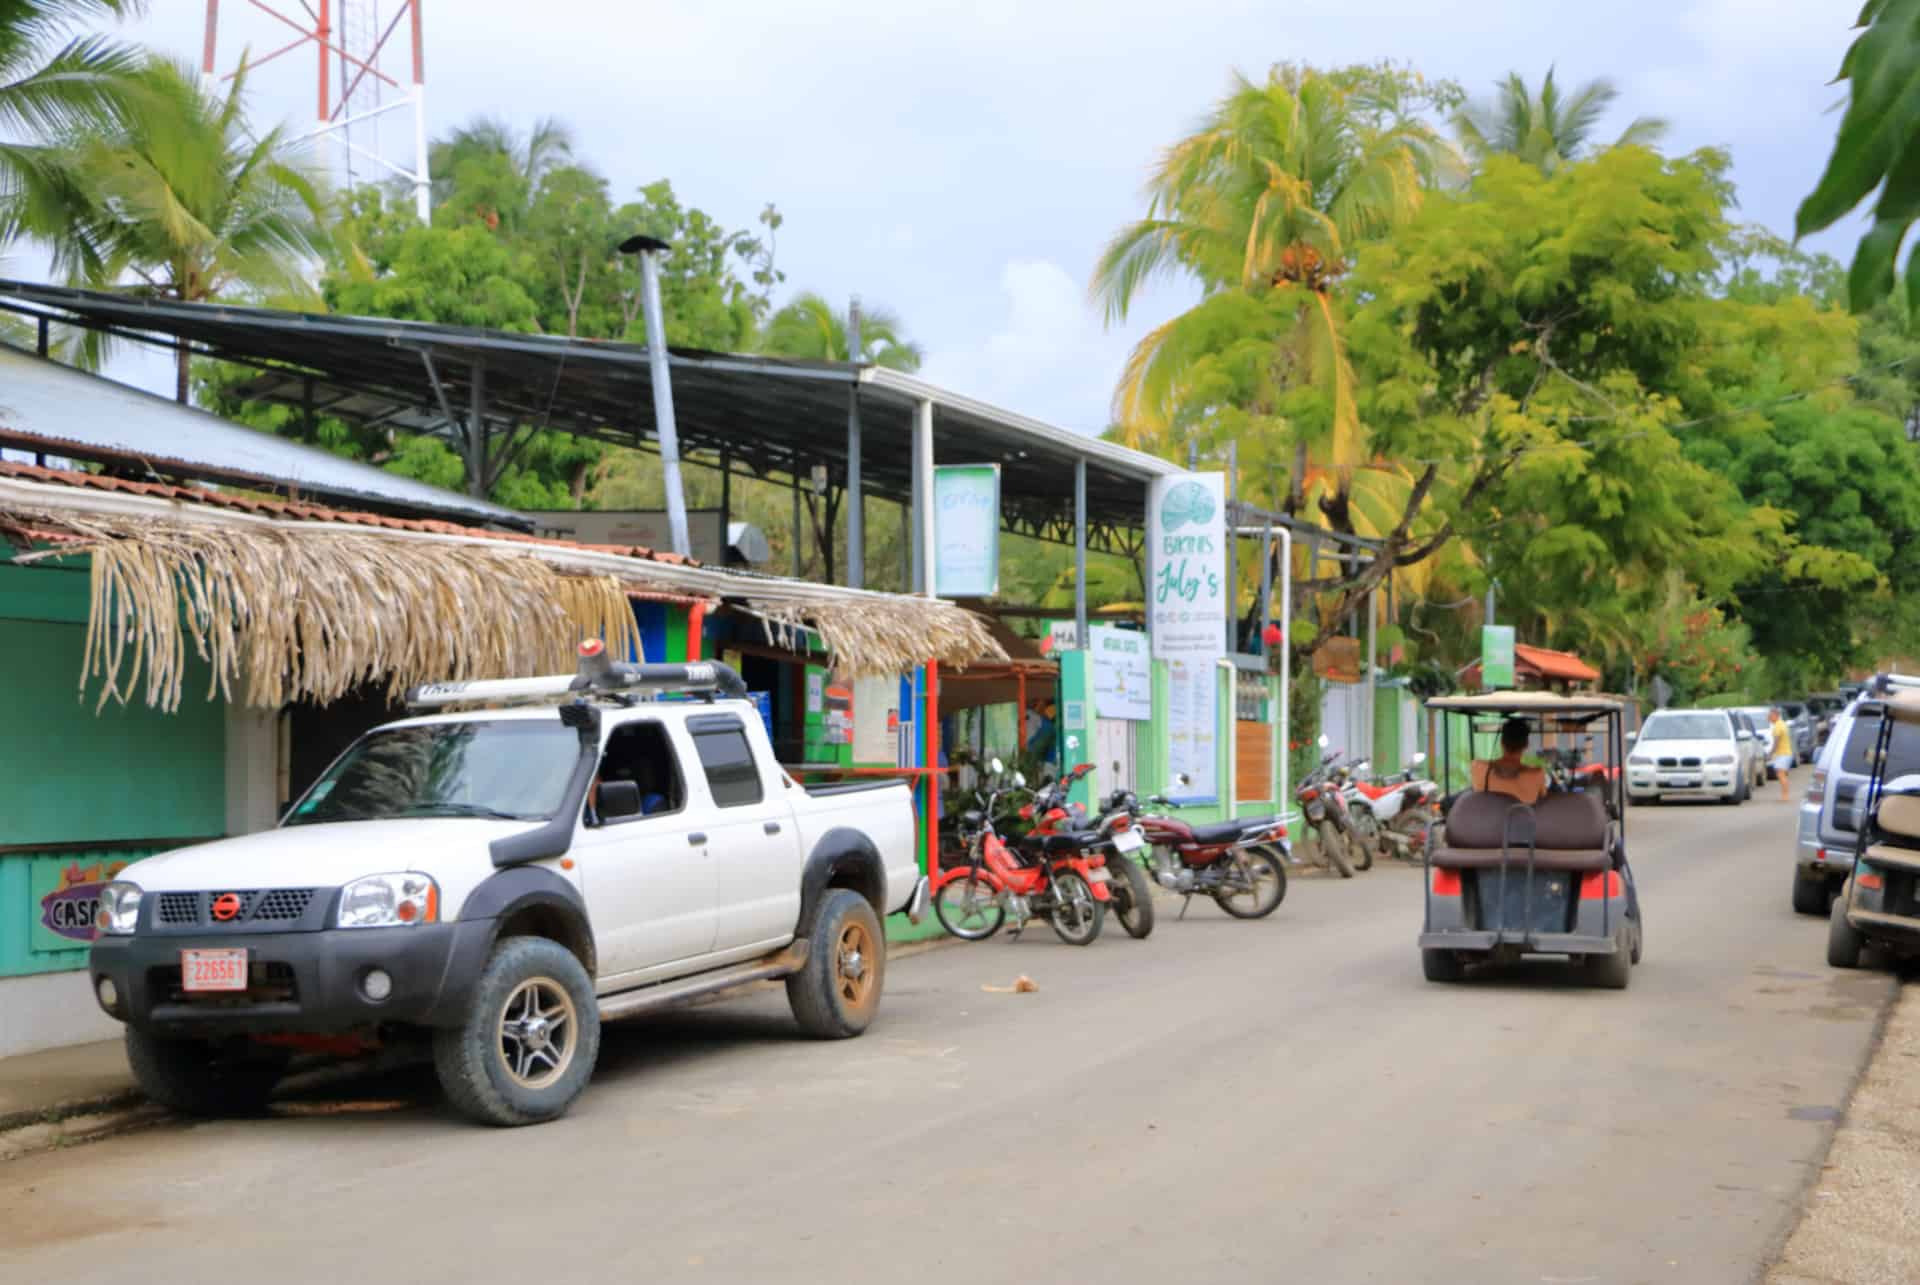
(195, 909)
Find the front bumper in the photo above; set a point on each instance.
(299, 982)
(1715, 782)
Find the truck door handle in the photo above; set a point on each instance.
(771, 827)
(696, 838)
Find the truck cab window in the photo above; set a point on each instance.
(732, 774)
(641, 753)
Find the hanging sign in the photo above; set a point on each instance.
(966, 530)
(1122, 670)
(1496, 657)
(1187, 614)
(68, 905)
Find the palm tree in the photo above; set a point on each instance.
(809, 327)
(494, 171)
(1547, 130)
(182, 196)
(48, 92)
(1263, 206)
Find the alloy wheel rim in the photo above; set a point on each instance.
(539, 1031)
(853, 965)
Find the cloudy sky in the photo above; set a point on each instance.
(963, 162)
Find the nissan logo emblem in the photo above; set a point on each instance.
(226, 906)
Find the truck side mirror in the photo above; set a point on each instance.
(618, 799)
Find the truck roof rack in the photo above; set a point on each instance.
(597, 678)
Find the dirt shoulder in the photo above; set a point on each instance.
(1859, 1226)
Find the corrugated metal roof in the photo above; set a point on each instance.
(51, 408)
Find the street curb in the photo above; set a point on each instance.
(65, 1124)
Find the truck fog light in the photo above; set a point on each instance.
(376, 985)
(109, 993)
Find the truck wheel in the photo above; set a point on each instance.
(203, 1077)
(837, 993)
(1613, 972)
(1132, 896)
(1442, 965)
(1809, 894)
(529, 1040)
(1844, 942)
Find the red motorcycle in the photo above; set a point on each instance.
(1063, 885)
(1322, 801)
(1060, 826)
(1241, 864)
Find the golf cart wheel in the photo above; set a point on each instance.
(1809, 894)
(1639, 939)
(1442, 965)
(1615, 971)
(1844, 942)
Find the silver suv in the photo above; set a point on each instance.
(1823, 847)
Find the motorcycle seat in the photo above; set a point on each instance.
(1230, 831)
(1072, 841)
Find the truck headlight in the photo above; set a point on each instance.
(119, 908)
(1721, 760)
(389, 901)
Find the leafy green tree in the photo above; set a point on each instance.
(487, 172)
(808, 326)
(1877, 148)
(706, 302)
(184, 196)
(1547, 129)
(54, 84)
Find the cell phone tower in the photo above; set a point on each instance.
(353, 91)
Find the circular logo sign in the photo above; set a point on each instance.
(226, 906)
(1189, 502)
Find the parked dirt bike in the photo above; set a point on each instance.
(1064, 887)
(1395, 814)
(1061, 827)
(1319, 797)
(1241, 864)
(1361, 845)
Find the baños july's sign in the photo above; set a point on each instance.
(1187, 609)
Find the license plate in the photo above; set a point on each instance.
(1128, 841)
(213, 970)
(1097, 876)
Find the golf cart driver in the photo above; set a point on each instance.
(1510, 774)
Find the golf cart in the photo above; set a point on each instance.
(1880, 903)
(1548, 878)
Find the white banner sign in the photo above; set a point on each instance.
(1122, 670)
(1187, 611)
(966, 530)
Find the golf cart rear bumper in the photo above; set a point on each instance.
(1528, 943)
(1904, 929)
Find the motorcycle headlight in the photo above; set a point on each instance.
(119, 908)
(1721, 760)
(389, 901)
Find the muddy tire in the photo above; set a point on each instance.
(1132, 895)
(1442, 966)
(1811, 895)
(1844, 942)
(204, 1077)
(837, 993)
(1333, 849)
(527, 1045)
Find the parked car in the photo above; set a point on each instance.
(1689, 754)
(1806, 741)
(495, 883)
(1823, 844)
(1825, 707)
(1761, 717)
(1754, 741)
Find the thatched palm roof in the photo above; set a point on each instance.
(288, 601)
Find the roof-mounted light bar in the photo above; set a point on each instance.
(597, 675)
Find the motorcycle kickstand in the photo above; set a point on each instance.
(1184, 903)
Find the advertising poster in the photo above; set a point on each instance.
(966, 530)
(1187, 608)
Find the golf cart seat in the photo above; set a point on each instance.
(1568, 831)
(1896, 828)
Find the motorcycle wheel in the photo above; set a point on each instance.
(1333, 848)
(1366, 836)
(1360, 848)
(1076, 917)
(1132, 896)
(1265, 872)
(969, 908)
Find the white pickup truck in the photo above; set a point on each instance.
(502, 880)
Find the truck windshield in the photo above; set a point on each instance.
(510, 770)
(1685, 727)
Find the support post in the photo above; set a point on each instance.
(1285, 799)
(796, 527)
(905, 542)
(856, 497)
(1080, 552)
(916, 502)
(1233, 546)
(726, 505)
(650, 249)
(1266, 585)
(422, 179)
(42, 338)
(1373, 693)
(923, 474)
(477, 434)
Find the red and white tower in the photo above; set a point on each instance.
(353, 93)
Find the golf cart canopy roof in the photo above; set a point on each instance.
(1903, 706)
(1531, 704)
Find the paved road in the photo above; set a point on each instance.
(1284, 1100)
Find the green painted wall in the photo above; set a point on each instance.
(69, 776)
